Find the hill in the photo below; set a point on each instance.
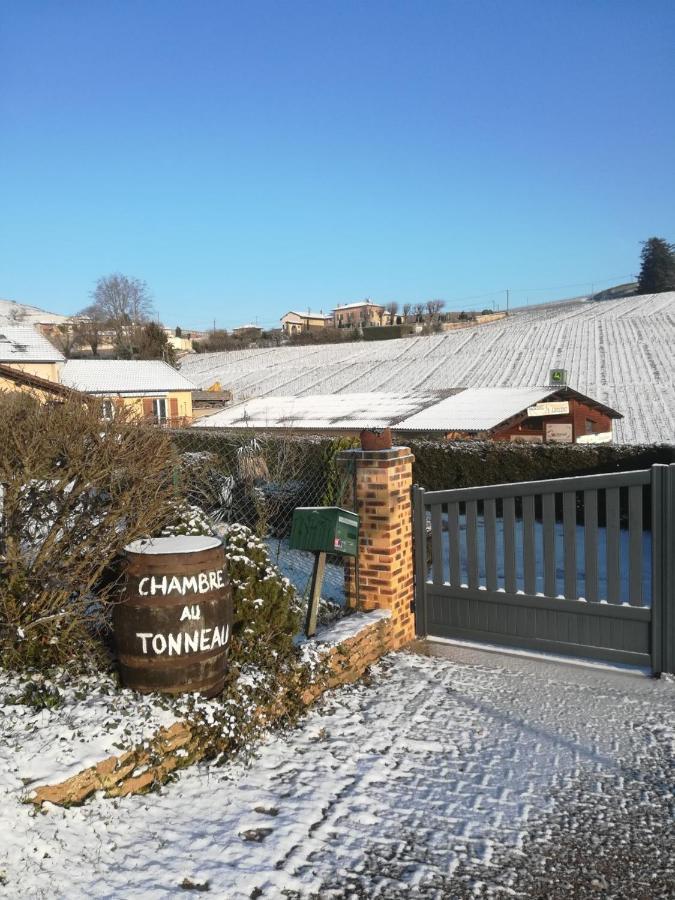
(621, 352)
(21, 313)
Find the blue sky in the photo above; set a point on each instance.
(247, 158)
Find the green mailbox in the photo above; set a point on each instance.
(325, 529)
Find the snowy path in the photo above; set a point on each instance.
(408, 787)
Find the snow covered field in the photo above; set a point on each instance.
(620, 352)
(426, 781)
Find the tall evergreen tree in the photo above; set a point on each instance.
(658, 266)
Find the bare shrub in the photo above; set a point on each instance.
(76, 490)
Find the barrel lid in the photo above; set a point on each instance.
(179, 543)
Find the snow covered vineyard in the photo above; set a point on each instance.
(620, 352)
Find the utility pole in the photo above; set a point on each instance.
(507, 301)
(214, 326)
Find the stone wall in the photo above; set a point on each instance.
(346, 650)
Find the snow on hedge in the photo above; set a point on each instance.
(620, 352)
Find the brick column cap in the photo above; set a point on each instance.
(394, 453)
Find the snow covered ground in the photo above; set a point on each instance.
(296, 565)
(424, 782)
(621, 352)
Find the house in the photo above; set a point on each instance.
(151, 388)
(253, 332)
(359, 315)
(294, 322)
(15, 379)
(537, 415)
(24, 348)
(533, 414)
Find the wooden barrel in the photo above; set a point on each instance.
(172, 629)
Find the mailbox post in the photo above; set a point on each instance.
(323, 529)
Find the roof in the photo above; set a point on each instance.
(307, 314)
(482, 409)
(23, 343)
(121, 376)
(358, 305)
(26, 379)
(320, 411)
(474, 409)
(249, 327)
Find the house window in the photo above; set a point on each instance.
(107, 410)
(590, 426)
(159, 409)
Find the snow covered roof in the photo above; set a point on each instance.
(480, 409)
(121, 376)
(320, 411)
(307, 314)
(358, 305)
(23, 343)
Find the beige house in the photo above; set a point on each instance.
(295, 322)
(151, 388)
(24, 348)
(16, 380)
(359, 315)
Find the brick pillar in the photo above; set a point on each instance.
(384, 580)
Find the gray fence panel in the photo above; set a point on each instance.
(635, 545)
(529, 547)
(490, 526)
(472, 543)
(570, 543)
(613, 532)
(591, 545)
(548, 515)
(631, 626)
(509, 526)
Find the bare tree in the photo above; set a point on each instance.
(418, 310)
(434, 308)
(121, 301)
(65, 338)
(392, 309)
(88, 331)
(406, 311)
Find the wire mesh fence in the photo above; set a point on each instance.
(258, 480)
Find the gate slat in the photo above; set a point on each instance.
(591, 546)
(490, 525)
(570, 543)
(453, 538)
(529, 566)
(471, 543)
(635, 545)
(436, 553)
(612, 512)
(548, 517)
(509, 524)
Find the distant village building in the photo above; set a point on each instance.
(154, 390)
(359, 315)
(536, 415)
(294, 322)
(252, 331)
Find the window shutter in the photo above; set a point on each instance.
(173, 408)
(148, 410)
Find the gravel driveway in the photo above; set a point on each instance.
(472, 775)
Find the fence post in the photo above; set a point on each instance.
(420, 544)
(382, 488)
(663, 568)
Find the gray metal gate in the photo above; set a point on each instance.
(582, 566)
